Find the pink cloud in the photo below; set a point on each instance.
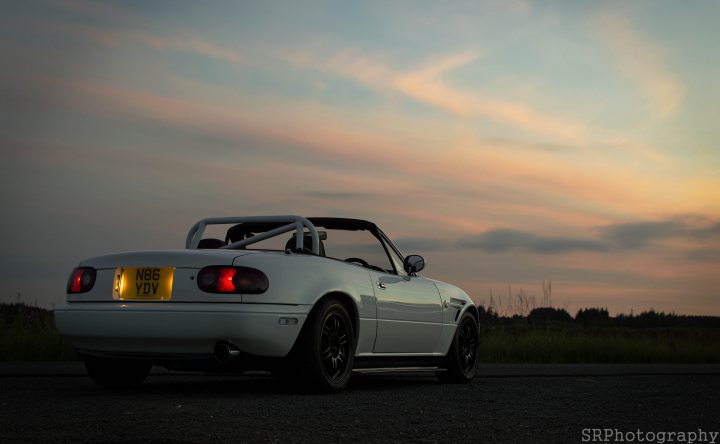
(192, 45)
(533, 187)
(426, 85)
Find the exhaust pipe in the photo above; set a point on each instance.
(226, 352)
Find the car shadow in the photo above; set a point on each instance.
(267, 384)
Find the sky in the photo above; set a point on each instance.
(512, 143)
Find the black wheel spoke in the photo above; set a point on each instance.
(326, 353)
(466, 346)
(335, 345)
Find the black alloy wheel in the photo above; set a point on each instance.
(467, 346)
(325, 352)
(335, 345)
(462, 359)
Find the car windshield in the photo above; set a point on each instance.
(335, 243)
(360, 244)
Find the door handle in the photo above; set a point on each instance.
(381, 285)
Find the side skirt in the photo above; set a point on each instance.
(369, 364)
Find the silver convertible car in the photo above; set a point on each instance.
(309, 299)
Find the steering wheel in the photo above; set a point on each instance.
(362, 262)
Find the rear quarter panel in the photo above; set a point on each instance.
(304, 279)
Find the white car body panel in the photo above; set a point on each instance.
(180, 329)
(409, 314)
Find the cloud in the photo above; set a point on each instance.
(419, 244)
(704, 255)
(187, 44)
(338, 143)
(499, 240)
(622, 236)
(426, 85)
(640, 234)
(642, 61)
(107, 36)
(340, 195)
(111, 38)
(705, 232)
(542, 147)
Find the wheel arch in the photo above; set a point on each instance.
(474, 311)
(348, 302)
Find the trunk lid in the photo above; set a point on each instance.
(159, 276)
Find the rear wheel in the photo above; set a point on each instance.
(326, 348)
(117, 373)
(462, 358)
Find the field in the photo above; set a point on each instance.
(571, 344)
(27, 334)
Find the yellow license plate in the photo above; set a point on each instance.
(144, 283)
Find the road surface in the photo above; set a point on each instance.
(55, 402)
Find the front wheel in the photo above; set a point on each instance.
(462, 359)
(117, 373)
(326, 350)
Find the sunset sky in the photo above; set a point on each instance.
(510, 143)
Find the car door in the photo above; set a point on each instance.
(409, 314)
(409, 308)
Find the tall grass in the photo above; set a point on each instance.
(28, 334)
(569, 344)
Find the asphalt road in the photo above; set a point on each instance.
(510, 403)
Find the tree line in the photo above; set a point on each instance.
(598, 317)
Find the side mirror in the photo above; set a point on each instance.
(413, 264)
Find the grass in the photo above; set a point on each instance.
(571, 344)
(28, 334)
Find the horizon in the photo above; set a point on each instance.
(510, 143)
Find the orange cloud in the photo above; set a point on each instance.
(532, 187)
(426, 85)
(192, 45)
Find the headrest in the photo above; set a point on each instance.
(209, 243)
(307, 244)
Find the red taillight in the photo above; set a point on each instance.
(225, 280)
(218, 279)
(76, 279)
(81, 280)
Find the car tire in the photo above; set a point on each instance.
(326, 348)
(117, 373)
(462, 359)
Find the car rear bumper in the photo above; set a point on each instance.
(182, 329)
